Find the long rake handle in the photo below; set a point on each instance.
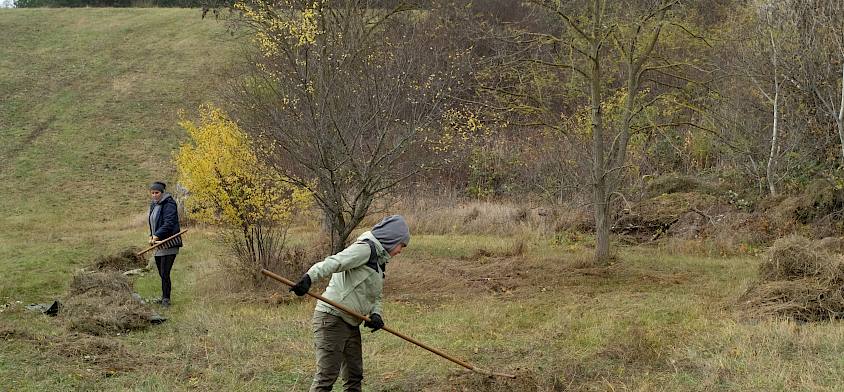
(161, 242)
(465, 364)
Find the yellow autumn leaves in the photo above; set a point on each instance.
(228, 185)
(297, 28)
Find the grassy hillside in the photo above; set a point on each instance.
(88, 111)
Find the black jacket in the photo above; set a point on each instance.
(168, 220)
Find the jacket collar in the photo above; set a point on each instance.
(161, 201)
(382, 253)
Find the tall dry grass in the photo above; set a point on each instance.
(452, 214)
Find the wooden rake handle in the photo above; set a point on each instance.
(160, 243)
(465, 364)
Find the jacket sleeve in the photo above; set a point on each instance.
(376, 307)
(353, 256)
(169, 219)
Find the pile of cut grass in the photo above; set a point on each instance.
(798, 280)
(100, 303)
(124, 260)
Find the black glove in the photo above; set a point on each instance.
(301, 288)
(375, 322)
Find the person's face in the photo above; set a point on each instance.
(396, 250)
(155, 195)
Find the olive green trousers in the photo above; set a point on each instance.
(338, 352)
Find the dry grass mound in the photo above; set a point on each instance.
(678, 183)
(101, 303)
(831, 244)
(793, 258)
(124, 260)
(649, 218)
(817, 210)
(106, 356)
(797, 280)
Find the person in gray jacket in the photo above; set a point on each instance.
(357, 279)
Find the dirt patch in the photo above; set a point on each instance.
(797, 280)
(438, 280)
(101, 303)
(124, 260)
(434, 280)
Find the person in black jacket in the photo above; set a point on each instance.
(163, 223)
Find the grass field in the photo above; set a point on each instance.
(652, 322)
(88, 110)
(88, 118)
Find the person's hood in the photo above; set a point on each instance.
(391, 232)
(165, 198)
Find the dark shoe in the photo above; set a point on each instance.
(165, 302)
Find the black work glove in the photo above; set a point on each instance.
(301, 288)
(375, 322)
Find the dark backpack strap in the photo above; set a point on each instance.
(373, 257)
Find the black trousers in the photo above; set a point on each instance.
(165, 264)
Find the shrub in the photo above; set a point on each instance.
(252, 203)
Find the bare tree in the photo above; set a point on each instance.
(341, 96)
(820, 29)
(600, 54)
(773, 41)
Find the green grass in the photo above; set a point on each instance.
(652, 322)
(88, 117)
(88, 103)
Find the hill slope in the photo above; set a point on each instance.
(89, 101)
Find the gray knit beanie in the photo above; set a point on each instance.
(157, 186)
(392, 231)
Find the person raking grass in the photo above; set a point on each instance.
(163, 222)
(357, 279)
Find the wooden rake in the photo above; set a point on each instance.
(167, 241)
(465, 364)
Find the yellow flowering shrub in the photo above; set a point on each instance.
(291, 22)
(228, 185)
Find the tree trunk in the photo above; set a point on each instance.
(340, 239)
(340, 226)
(599, 179)
(339, 231)
(840, 119)
(602, 226)
(769, 170)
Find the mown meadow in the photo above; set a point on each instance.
(89, 102)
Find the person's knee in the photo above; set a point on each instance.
(325, 377)
(329, 364)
